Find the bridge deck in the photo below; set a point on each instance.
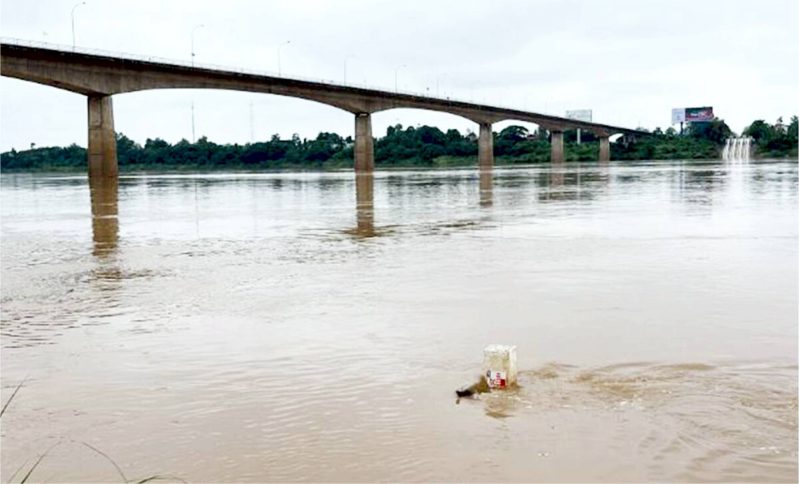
(97, 72)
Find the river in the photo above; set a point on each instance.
(308, 327)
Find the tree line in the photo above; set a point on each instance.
(422, 146)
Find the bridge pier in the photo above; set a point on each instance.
(557, 146)
(102, 149)
(364, 144)
(485, 147)
(604, 148)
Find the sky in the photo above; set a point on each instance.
(629, 61)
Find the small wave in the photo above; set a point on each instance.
(703, 420)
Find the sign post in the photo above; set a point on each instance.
(678, 116)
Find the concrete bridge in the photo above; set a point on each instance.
(100, 76)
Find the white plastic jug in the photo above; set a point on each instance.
(499, 365)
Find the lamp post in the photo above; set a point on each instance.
(73, 22)
(192, 41)
(345, 67)
(279, 70)
(192, 64)
(439, 76)
(396, 88)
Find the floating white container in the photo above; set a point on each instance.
(499, 366)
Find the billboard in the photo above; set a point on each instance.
(694, 115)
(580, 115)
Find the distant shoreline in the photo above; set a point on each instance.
(172, 169)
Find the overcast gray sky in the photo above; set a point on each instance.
(629, 61)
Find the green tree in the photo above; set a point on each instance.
(760, 131)
(716, 131)
(514, 134)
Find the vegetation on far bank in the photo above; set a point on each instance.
(422, 146)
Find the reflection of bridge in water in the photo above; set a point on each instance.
(552, 184)
(99, 76)
(104, 194)
(555, 184)
(105, 216)
(365, 210)
(532, 188)
(365, 206)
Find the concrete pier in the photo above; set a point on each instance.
(485, 147)
(604, 148)
(557, 147)
(364, 144)
(102, 149)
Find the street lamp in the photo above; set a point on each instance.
(192, 64)
(73, 22)
(279, 70)
(395, 77)
(192, 41)
(345, 67)
(438, 76)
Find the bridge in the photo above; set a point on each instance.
(99, 76)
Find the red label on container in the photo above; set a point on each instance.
(497, 379)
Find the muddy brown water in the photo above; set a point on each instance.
(308, 327)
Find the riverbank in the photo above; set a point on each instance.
(441, 163)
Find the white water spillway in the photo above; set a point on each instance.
(737, 149)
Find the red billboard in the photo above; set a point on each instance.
(694, 115)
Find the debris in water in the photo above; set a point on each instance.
(474, 389)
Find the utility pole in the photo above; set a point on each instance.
(192, 64)
(251, 124)
(345, 67)
(396, 89)
(192, 122)
(279, 69)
